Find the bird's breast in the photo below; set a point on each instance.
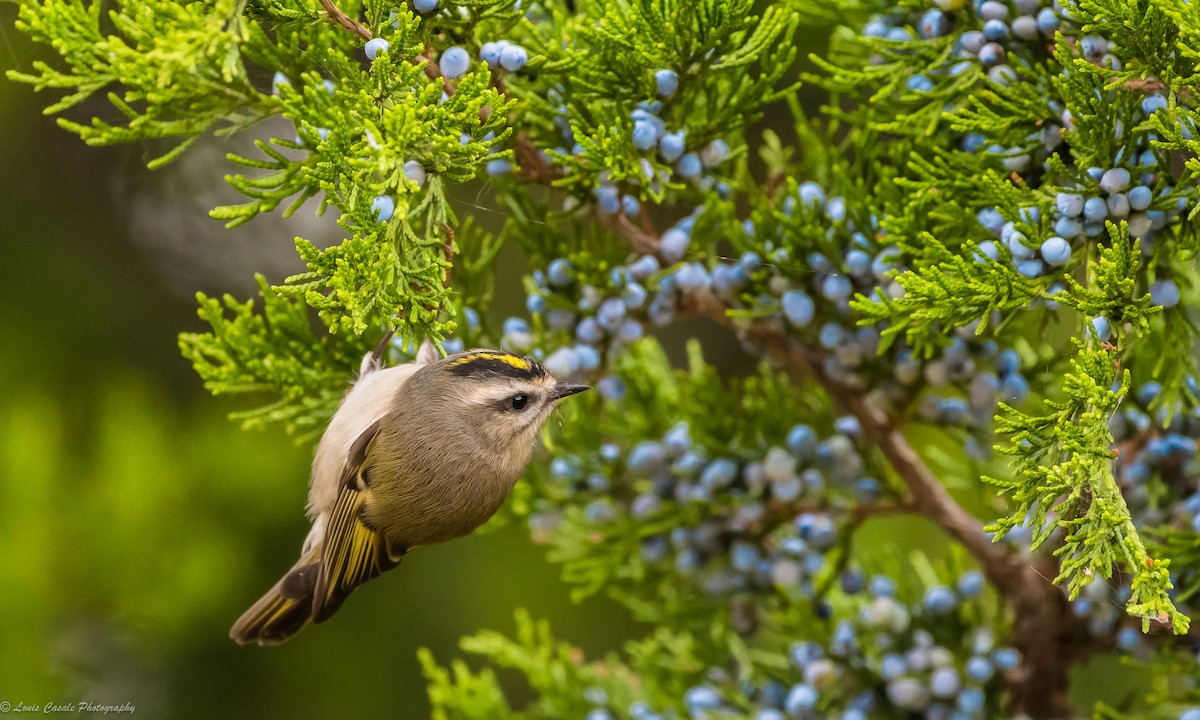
(439, 501)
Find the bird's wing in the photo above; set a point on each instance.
(352, 552)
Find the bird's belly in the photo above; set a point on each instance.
(441, 510)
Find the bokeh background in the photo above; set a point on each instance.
(137, 522)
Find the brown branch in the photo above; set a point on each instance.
(530, 162)
(335, 14)
(1044, 624)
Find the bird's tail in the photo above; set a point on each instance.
(285, 609)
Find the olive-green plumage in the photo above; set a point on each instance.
(416, 454)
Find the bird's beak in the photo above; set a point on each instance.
(562, 390)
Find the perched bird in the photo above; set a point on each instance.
(416, 454)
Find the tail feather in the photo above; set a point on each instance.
(285, 609)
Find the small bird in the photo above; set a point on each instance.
(416, 454)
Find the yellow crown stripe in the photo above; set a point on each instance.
(516, 361)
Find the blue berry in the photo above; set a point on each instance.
(608, 198)
(558, 272)
(875, 29)
(425, 6)
(798, 308)
(375, 46)
(701, 698)
(992, 10)
(992, 54)
(1164, 293)
(1140, 197)
(1095, 209)
(714, 153)
(979, 669)
(811, 194)
(883, 586)
(1030, 268)
(971, 583)
(1128, 639)
(630, 205)
(1114, 180)
(1056, 251)
(646, 457)
(1068, 227)
(1014, 389)
(919, 83)
(1006, 658)
(1153, 103)
(1069, 204)
(987, 251)
(719, 473)
(611, 388)
(835, 209)
(1025, 27)
(908, 694)
(836, 287)
(666, 82)
(382, 208)
(1017, 247)
(689, 166)
(644, 267)
(1118, 205)
(800, 700)
(892, 665)
(500, 166)
(674, 244)
(1047, 21)
(945, 683)
(940, 600)
(513, 58)
(995, 30)
(454, 62)
(645, 135)
(934, 23)
(1101, 327)
(671, 146)
(415, 172)
(490, 52)
(692, 277)
(587, 357)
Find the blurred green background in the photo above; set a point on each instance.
(136, 521)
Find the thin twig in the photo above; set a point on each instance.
(335, 13)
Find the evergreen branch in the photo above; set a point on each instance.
(272, 352)
(1063, 478)
(946, 291)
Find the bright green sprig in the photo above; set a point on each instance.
(559, 674)
(179, 64)
(949, 289)
(1063, 480)
(1159, 37)
(272, 352)
(729, 63)
(1111, 291)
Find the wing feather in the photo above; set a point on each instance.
(352, 552)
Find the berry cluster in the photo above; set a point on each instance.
(881, 657)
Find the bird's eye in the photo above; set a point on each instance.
(518, 402)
